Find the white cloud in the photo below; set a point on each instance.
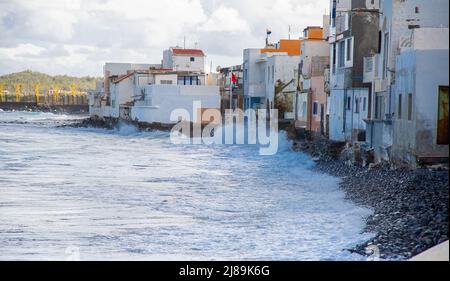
(225, 19)
(78, 36)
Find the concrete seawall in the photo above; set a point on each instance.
(24, 106)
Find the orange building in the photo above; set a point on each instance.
(313, 33)
(292, 47)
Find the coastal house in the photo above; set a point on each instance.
(150, 92)
(353, 36)
(127, 87)
(180, 59)
(399, 21)
(421, 122)
(182, 84)
(157, 103)
(100, 99)
(311, 98)
(269, 72)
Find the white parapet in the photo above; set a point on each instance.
(437, 253)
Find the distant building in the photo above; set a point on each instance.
(179, 59)
(150, 92)
(231, 83)
(311, 98)
(269, 68)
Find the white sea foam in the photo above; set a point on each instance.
(123, 194)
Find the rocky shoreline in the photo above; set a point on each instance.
(410, 206)
(57, 109)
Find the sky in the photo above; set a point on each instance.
(76, 37)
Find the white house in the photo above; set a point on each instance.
(100, 99)
(254, 80)
(398, 21)
(159, 101)
(263, 71)
(179, 84)
(180, 59)
(126, 88)
(421, 122)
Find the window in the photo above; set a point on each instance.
(333, 47)
(192, 59)
(357, 105)
(349, 49)
(188, 80)
(385, 55)
(166, 82)
(379, 107)
(410, 106)
(245, 74)
(349, 103)
(399, 111)
(113, 103)
(333, 14)
(341, 54)
(315, 108)
(417, 10)
(380, 35)
(304, 109)
(364, 104)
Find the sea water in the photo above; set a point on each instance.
(95, 194)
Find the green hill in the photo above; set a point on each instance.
(28, 79)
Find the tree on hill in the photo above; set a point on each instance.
(28, 79)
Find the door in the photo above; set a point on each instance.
(442, 128)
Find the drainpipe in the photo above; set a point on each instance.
(344, 115)
(351, 112)
(310, 109)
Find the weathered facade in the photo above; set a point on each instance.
(311, 98)
(269, 72)
(398, 21)
(420, 125)
(353, 36)
(231, 83)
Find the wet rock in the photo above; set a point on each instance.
(410, 206)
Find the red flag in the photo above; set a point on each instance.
(233, 78)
